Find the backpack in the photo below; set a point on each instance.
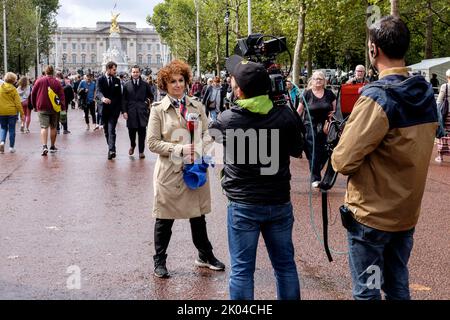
(54, 99)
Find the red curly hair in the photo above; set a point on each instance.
(176, 67)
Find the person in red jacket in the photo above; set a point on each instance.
(47, 116)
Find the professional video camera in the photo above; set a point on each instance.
(256, 49)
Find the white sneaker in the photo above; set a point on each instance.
(12, 150)
(2, 147)
(315, 184)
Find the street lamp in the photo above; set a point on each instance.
(38, 22)
(249, 17)
(227, 24)
(198, 39)
(63, 62)
(5, 52)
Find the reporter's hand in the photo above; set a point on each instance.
(188, 153)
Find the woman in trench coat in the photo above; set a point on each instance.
(172, 197)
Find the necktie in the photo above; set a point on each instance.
(110, 81)
(183, 109)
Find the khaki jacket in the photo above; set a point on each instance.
(172, 198)
(385, 150)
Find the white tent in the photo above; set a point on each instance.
(430, 66)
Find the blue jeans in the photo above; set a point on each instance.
(8, 124)
(213, 114)
(245, 223)
(379, 260)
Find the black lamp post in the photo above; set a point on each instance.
(227, 23)
(63, 61)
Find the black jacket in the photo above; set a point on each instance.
(135, 102)
(245, 181)
(113, 92)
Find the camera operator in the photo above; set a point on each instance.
(385, 150)
(259, 201)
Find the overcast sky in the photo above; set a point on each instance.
(85, 13)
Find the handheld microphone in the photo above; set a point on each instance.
(192, 123)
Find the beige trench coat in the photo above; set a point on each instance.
(172, 198)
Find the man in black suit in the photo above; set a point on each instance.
(109, 92)
(137, 95)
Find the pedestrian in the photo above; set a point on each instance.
(10, 106)
(48, 117)
(212, 99)
(385, 150)
(294, 92)
(321, 104)
(24, 90)
(443, 146)
(173, 198)
(137, 96)
(87, 89)
(258, 193)
(435, 83)
(68, 98)
(109, 92)
(360, 75)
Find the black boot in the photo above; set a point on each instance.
(160, 267)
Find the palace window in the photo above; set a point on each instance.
(74, 59)
(149, 59)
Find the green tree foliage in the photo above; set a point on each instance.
(21, 32)
(335, 30)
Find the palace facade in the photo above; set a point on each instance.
(77, 49)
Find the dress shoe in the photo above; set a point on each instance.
(131, 151)
(110, 155)
(114, 154)
(141, 156)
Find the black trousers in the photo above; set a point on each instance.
(141, 132)
(109, 127)
(163, 233)
(89, 108)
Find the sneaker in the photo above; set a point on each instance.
(28, 130)
(141, 156)
(2, 147)
(211, 263)
(131, 151)
(53, 149)
(44, 151)
(88, 127)
(161, 271)
(66, 132)
(96, 128)
(22, 129)
(315, 184)
(12, 150)
(439, 159)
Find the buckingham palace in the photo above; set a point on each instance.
(84, 49)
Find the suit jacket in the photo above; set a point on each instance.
(113, 92)
(135, 103)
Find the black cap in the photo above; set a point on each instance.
(251, 77)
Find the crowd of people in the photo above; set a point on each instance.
(380, 211)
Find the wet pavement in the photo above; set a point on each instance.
(77, 211)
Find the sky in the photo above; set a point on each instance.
(85, 13)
